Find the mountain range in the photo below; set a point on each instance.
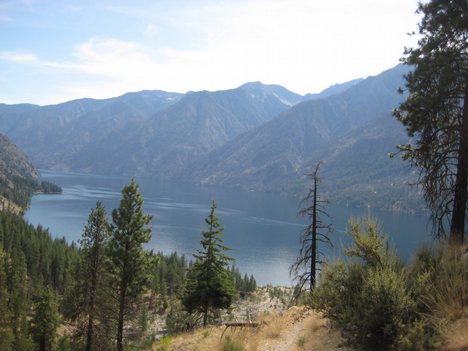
(256, 137)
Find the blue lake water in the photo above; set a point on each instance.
(262, 229)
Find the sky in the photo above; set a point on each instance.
(53, 51)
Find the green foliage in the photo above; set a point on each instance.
(230, 344)
(416, 336)
(6, 334)
(168, 277)
(368, 243)
(129, 262)
(45, 320)
(179, 320)
(19, 299)
(209, 283)
(87, 300)
(18, 189)
(301, 341)
(381, 304)
(370, 298)
(64, 344)
(441, 278)
(18, 177)
(243, 284)
(30, 260)
(129, 232)
(50, 188)
(436, 114)
(164, 343)
(48, 261)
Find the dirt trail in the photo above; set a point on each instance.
(296, 329)
(302, 329)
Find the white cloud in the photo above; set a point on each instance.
(17, 57)
(301, 44)
(151, 30)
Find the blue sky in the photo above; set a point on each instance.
(57, 50)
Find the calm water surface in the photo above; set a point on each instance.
(262, 229)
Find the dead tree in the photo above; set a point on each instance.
(310, 257)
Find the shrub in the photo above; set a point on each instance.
(369, 305)
(230, 344)
(448, 296)
(368, 296)
(418, 336)
(179, 320)
(301, 341)
(381, 304)
(164, 344)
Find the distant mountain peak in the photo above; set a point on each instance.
(334, 89)
(259, 91)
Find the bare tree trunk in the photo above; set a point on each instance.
(121, 319)
(205, 316)
(313, 259)
(457, 229)
(92, 297)
(89, 334)
(42, 344)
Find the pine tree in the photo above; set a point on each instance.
(19, 299)
(436, 113)
(87, 297)
(128, 260)
(6, 336)
(45, 321)
(209, 284)
(305, 268)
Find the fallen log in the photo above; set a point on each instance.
(239, 325)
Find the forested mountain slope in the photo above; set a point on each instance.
(168, 142)
(149, 133)
(18, 177)
(352, 132)
(333, 90)
(53, 135)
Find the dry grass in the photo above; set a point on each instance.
(456, 335)
(297, 329)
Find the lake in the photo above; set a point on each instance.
(262, 229)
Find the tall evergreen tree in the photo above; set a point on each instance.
(436, 114)
(305, 268)
(209, 285)
(45, 321)
(19, 302)
(128, 260)
(6, 336)
(88, 294)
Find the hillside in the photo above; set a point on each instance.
(167, 142)
(358, 171)
(147, 133)
(54, 136)
(332, 90)
(352, 132)
(18, 177)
